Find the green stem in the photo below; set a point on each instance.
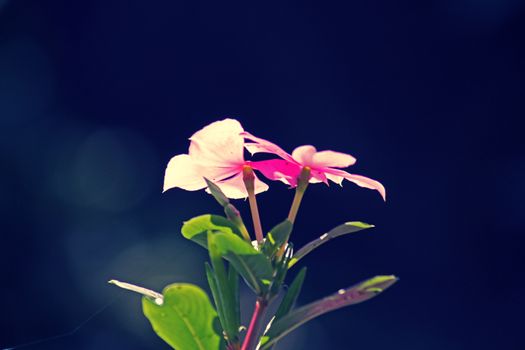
(302, 184)
(295, 205)
(249, 182)
(256, 218)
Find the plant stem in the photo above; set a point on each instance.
(302, 184)
(250, 341)
(295, 205)
(249, 181)
(255, 217)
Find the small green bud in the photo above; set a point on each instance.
(217, 193)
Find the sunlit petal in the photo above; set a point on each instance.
(304, 154)
(218, 144)
(234, 187)
(183, 173)
(265, 146)
(317, 176)
(359, 180)
(332, 159)
(337, 179)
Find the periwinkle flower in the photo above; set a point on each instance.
(323, 165)
(216, 152)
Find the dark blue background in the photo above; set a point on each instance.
(96, 96)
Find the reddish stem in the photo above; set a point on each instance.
(250, 341)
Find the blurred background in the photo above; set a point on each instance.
(429, 96)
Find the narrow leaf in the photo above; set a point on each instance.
(217, 193)
(210, 275)
(222, 284)
(291, 295)
(233, 278)
(342, 298)
(344, 229)
(141, 290)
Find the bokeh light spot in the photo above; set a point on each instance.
(112, 170)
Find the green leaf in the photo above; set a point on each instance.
(252, 265)
(182, 316)
(225, 293)
(277, 237)
(291, 295)
(344, 297)
(344, 229)
(196, 229)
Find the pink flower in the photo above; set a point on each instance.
(217, 153)
(323, 165)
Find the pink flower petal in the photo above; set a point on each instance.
(317, 176)
(359, 180)
(304, 155)
(278, 169)
(234, 187)
(333, 159)
(265, 146)
(218, 144)
(337, 179)
(182, 172)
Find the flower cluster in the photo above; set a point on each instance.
(216, 152)
(182, 314)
